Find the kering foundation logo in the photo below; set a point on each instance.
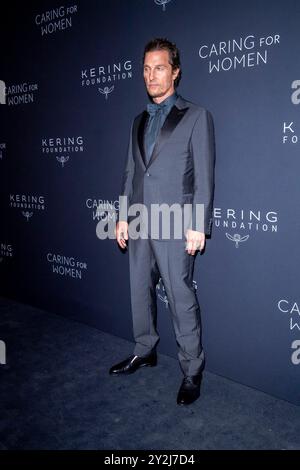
(291, 311)
(28, 203)
(106, 75)
(234, 54)
(243, 221)
(290, 128)
(106, 91)
(62, 147)
(162, 3)
(57, 19)
(237, 238)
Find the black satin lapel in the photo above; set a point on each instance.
(172, 120)
(141, 131)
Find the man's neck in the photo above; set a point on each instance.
(160, 99)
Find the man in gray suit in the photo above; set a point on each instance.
(170, 162)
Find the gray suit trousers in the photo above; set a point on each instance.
(148, 261)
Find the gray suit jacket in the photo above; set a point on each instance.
(181, 167)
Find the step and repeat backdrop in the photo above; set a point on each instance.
(71, 83)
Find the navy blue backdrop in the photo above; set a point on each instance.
(73, 78)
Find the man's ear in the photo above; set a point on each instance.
(175, 73)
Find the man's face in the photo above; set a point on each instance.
(158, 75)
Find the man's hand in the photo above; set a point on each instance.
(195, 241)
(121, 233)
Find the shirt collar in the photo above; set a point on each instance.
(168, 102)
(171, 100)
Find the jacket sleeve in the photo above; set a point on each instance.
(126, 186)
(202, 145)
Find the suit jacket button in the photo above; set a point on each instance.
(148, 174)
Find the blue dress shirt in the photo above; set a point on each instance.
(157, 116)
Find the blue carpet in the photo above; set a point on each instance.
(55, 393)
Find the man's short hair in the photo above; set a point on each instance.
(163, 44)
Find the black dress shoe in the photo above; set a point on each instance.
(133, 363)
(189, 390)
